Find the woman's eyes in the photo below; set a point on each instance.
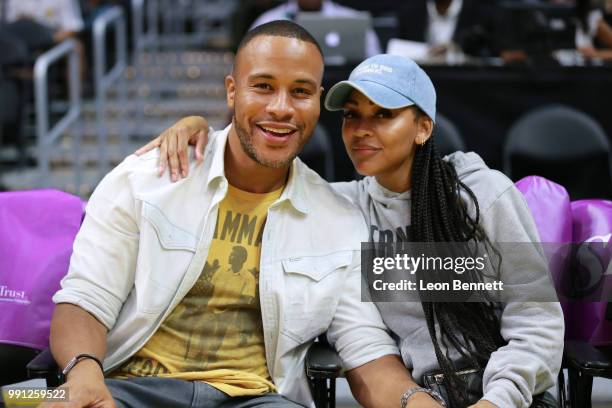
(381, 114)
(384, 114)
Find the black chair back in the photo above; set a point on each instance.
(564, 145)
(447, 137)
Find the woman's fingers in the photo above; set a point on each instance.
(173, 161)
(202, 139)
(163, 155)
(149, 146)
(174, 145)
(183, 151)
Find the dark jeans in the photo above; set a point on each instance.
(153, 392)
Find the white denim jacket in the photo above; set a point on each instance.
(144, 242)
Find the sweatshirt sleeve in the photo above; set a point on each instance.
(529, 363)
(357, 330)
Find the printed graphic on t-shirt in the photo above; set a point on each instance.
(390, 235)
(215, 333)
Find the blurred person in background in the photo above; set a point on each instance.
(290, 9)
(442, 24)
(43, 23)
(92, 9)
(37, 25)
(593, 33)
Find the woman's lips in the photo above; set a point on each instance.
(364, 151)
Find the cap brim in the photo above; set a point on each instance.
(379, 94)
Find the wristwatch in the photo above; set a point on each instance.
(77, 359)
(411, 391)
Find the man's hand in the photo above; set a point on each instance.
(437, 50)
(588, 51)
(86, 388)
(483, 404)
(173, 142)
(74, 331)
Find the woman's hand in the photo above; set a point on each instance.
(173, 145)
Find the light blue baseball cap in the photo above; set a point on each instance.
(389, 81)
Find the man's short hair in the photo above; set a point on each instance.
(279, 28)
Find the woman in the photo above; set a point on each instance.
(411, 194)
(592, 28)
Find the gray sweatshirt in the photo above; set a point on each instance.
(530, 362)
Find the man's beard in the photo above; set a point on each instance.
(248, 147)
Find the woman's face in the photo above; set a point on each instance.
(380, 142)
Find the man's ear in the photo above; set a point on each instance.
(424, 130)
(230, 89)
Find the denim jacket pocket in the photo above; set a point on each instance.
(164, 256)
(170, 236)
(317, 267)
(311, 293)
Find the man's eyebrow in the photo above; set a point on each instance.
(307, 82)
(264, 75)
(351, 102)
(261, 76)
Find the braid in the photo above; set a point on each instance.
(439, 214)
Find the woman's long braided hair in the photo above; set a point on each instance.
(439, 214)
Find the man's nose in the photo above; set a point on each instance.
(281, 107)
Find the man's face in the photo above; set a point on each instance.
(275, 91)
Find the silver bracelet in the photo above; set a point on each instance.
(411, 391)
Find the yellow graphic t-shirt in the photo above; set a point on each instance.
(215, 333)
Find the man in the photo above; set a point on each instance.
(468, 24)
(37, 25)
(58, 19)
(138, 293)
(288, 11)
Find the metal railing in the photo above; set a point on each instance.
(144, 39)
(104, 81)
(46, 136)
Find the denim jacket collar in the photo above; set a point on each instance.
(294, 190)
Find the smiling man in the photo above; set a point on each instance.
(207, 292)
